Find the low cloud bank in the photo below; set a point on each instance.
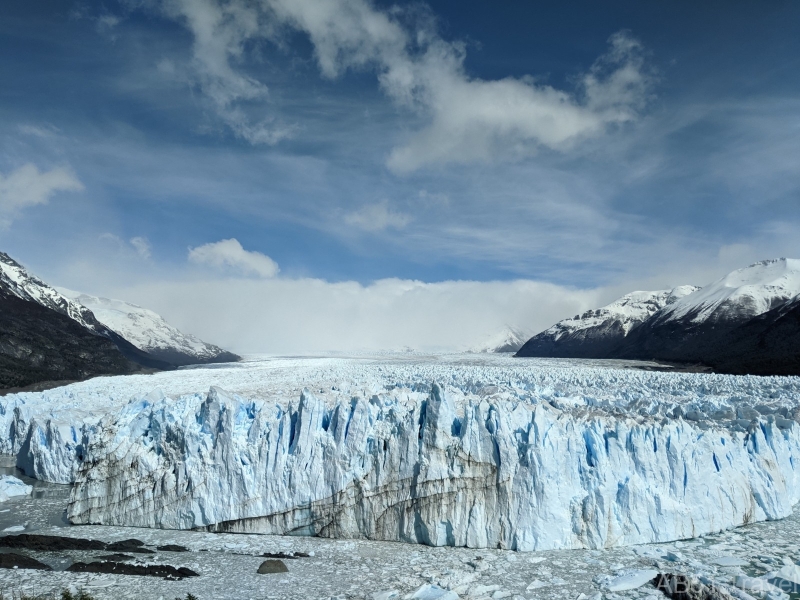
(313, 315)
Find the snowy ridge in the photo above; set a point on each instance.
(628, 311)
(508, 339)
(146, 329)
(742, 294)
(475, 450)
(19, 282)
(599, 333)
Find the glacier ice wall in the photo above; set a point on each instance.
(447, 467)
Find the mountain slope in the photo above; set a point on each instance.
(746, 322)
(598, 333)
(18, 282)
(742, 294)
(38, 344)
(769, 343)
(150, 332)
(45, 336)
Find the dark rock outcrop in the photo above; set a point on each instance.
(49, 543)
(18, 561)
(166, 571)
(272, 566)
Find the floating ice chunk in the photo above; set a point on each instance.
(389, 595)
(433, 592)
(11, 486)
(790, 573)
(631, 581)
(755, 585)
(675, 557)
(14, 529)
(536, 584)
(730, 561)
(788, 579)
(481, 590)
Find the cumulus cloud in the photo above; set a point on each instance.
(284, 315)
(228, 255)
(377, 217)
(28, 186)
(469, 119)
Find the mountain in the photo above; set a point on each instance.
(747, 322)
(149, 332)
(46, 337)
(39, 344)
(18, 282)
(598, 333)
(742, 294)
(507, 339)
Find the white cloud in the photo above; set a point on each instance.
(470, 119)
(310, 315)
(45, 131)
(142, 246)
(221, 30)
(229, 255)
(377, 217)
(28, 186)
(478, 120)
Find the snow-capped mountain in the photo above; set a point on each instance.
(596, 333)
(15, 279)
(745, 322)
(508, 339)
(742, 294)
(148, 331)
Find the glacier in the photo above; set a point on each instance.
(460, 450)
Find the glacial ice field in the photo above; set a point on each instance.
(479, 451)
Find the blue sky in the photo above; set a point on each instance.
(592, 146)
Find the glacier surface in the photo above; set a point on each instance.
(465, 450)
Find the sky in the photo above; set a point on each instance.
(307, 175)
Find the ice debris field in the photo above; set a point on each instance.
(475, 451)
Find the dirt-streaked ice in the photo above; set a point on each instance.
(459, 450)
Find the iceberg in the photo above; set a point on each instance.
(10, 487)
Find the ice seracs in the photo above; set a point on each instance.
(148, 331)
(469, 450)
(525, 458)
